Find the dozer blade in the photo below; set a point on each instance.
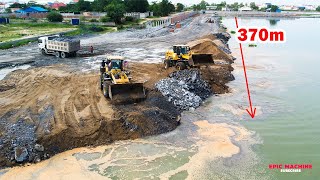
(201, 59)
(127, 93)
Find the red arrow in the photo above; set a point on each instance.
(250, 111)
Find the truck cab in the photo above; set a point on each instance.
(42, 43)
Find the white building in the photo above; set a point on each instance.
(310, 8)
(265, 5)
(225, 9)
(245, 9)
(2, 7)
(292, 8)
(211, 7)
(138, 15)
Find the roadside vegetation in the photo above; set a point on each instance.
(117, 8)
(54, 17)
(19, 30)
(15, 44)
(10, 33)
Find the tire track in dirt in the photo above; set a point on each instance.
(68, 110)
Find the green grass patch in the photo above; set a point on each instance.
(41, 25)
(16, 44)
(16, 31)
(90, 29)
(11, 32)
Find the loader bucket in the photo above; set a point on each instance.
(127, 93)
(201, 59)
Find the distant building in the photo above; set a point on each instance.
(245, 9)
(2, 7)
(225, 9)
(57, 5)
(138, 15)
(268, 5)
(265, 6)
(286, 8)
(211, 7)
(15, 9)
(310, 8)
(278, 10)
(32, 9)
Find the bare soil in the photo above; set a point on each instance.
(56, 106)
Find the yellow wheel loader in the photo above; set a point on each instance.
(182, 58)
(115, 82)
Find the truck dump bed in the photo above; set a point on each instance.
(64, 45)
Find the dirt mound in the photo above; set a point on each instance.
(207, 46)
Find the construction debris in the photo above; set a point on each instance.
(185, 89)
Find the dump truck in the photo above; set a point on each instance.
(116, 84)
(182, 58)
(61, 47)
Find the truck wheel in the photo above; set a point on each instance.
(105, 90)
(63, 55)
(180, 66)
(166, 64)
(57, 54)
(110, 93)
(43, 52)
(101, 81)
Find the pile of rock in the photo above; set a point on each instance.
(185, 89)
(65, 39)
(223, 36)
(19, 143)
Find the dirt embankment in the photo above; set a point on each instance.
(60, 110)
(47, 110)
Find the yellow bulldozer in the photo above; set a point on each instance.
(182, 58)
(116, 84)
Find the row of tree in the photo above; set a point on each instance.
(117, 8)
(162, 8)
(235, 6)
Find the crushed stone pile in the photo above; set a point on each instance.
(21, 139)
(65, 39)
(223, 36)
(185, 89)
